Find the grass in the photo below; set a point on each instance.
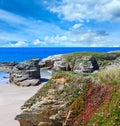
(109, 76)
(77, 106)
(107, 98)
(108, 114)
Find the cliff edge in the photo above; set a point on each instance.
(73, 97)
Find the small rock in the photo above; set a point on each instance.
(44, 124)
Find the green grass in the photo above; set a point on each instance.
(77, 106)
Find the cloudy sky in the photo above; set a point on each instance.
(59, 23)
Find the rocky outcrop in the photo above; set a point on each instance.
(61, 65)
(49, 105)
(7, 66)
(86, 64)
(48, 62)
(45, 114)
(109, 56)
(71, 99)
(112, 63)
(26, 73)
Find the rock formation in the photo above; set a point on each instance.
(48, 62)
(49, 106)
(26, 73)
(61, 65)
(71, 99)
(86, 64)
(7, 66)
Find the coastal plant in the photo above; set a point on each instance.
(109, 76)
(66, 88)
(87, 103)
(75, 93)
(109, 112)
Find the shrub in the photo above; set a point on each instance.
(109, 76)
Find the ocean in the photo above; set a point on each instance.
(21, 54)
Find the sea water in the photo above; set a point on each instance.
(21, 54)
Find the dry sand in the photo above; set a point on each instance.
(11, 99)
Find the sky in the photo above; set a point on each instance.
(59, 23)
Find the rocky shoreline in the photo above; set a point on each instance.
(86, 62)
(7, 66)
(74, 93)
(60, 102)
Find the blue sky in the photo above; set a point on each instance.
(59, 23)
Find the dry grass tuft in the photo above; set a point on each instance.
(109, 76)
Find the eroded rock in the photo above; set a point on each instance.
(49, 105)
(7, 66)
(26, 73)
(48, 62)
(60, 65)
(86, 64)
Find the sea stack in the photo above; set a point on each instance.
(26, 73)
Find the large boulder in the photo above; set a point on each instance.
(85, 64)
(48, 62)
(26, 73)
(61, 65)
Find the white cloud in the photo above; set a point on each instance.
(11, 18)
(79, 10)
(31, 32)
(24, 29)
(79, 38)
(15, 44)
(60, 38)
(76, 26)
(56, 39)
(38, 42)
(13, 36)
(19, 44)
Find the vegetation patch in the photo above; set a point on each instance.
(87, 104)
(109, 112)
(72, 85)
(110, 76)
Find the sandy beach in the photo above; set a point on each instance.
(12, 98)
